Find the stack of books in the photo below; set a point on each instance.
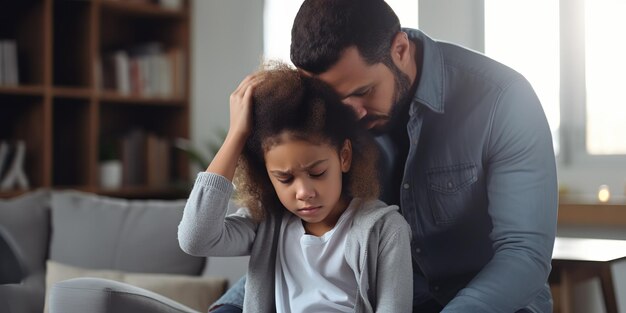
(146, 70)
(146, 159)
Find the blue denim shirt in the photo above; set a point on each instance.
(479, 187)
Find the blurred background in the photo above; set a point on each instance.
(130, 98)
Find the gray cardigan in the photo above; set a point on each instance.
(377, 248)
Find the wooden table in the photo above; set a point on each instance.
(578, 259)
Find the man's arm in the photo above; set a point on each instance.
(522, 194)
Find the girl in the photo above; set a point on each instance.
(318, 239)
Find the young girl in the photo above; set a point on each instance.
(318, 239)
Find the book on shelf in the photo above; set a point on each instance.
(157, 161)
(168, 4)
(146, 159)
(9, 72)
(145, 70)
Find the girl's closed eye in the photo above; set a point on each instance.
(285, 179)
(317, 174)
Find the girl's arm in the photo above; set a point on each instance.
(204, 229)
(394, 292)
(225, 161)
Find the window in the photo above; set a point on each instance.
(572, 52)
(279, 16)
(605, 67)
(524, 34)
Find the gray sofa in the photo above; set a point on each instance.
(56, 239)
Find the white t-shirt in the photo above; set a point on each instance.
(312, 274)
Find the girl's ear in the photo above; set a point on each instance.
(345, 156)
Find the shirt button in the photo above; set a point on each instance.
(450, 184)
(436, 288)
(418, 250)
(406, 186)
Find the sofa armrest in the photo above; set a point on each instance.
(11, 271)
(98, 295)
(24, 297)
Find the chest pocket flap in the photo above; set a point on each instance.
(452, 178)
(450, 191)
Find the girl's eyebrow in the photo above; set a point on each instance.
(306, 167)
(314, 164)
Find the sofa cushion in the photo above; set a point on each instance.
(195, 292)
(99, 232)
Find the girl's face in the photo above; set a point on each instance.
(307, 179)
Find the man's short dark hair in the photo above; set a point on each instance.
(323, 29)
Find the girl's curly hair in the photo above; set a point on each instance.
(303, 108)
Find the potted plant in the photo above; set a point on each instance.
(110, 166)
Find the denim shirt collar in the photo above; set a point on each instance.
(431, 84)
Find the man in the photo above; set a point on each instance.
(470, 154)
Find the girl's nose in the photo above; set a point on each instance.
(305, 192)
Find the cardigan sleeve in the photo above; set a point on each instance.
(394, 289)
(205, 230)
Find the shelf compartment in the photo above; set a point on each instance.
(73, 49)
(165, 121)
(71, 142)
(131, 128)
(143, 55)
(22, 118)
(23, 23)
(120, 31)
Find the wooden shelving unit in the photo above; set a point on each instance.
(61, 108)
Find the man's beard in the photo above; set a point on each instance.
(402, 96)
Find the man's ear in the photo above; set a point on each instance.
(400, 50)
(345, 156)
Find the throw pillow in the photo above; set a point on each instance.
(195, 292)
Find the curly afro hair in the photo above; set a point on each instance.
(286, 102)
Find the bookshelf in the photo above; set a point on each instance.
(93, 72)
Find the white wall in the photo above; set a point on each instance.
(227, 43)
(457, 21)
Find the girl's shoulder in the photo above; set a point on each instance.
(374, 219)
(369, 213)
